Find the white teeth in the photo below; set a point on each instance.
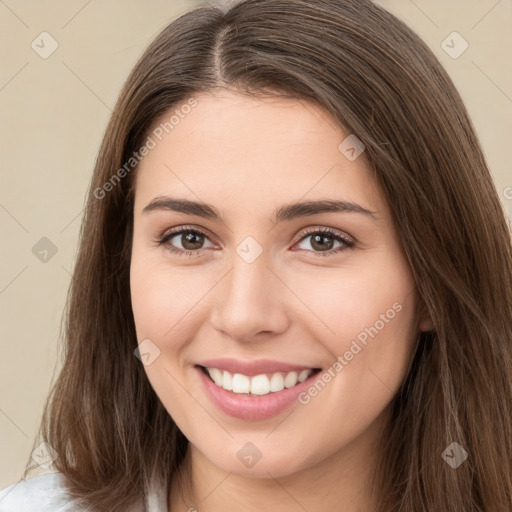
(290, 380)
(216, 375)
(227, 381)
(303, 375)
(259, 384)
(276, 382)
(241, 383)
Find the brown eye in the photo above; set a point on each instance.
(191, 240)
(322, 242)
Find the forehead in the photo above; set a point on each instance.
(250, 151)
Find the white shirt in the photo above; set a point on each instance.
(47, 493)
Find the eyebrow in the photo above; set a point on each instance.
(283, 213)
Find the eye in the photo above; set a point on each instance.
(191, 240)
(320, 241)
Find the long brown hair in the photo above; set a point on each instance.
(379, 81)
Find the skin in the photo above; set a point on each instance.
(247, 156)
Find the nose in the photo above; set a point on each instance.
(251, 301)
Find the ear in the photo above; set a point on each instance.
(425, 323)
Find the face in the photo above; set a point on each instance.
(306, 315)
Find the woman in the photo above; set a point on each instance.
(294, 283)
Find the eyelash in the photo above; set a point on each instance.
(347, 243)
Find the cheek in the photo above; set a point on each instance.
(366, 320)
(164, 298)
(365, 316)
(166, 307)
(347, 300)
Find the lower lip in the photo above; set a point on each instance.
(252, 407)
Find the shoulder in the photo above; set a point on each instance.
(43, 492)
(48, 493)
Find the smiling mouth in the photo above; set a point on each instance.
(258, 385)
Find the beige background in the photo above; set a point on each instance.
(54, 112)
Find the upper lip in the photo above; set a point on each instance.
(251, 368)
